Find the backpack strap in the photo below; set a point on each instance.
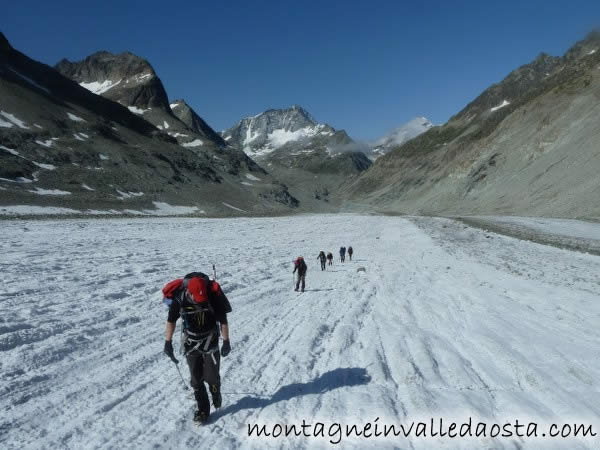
(201, 341)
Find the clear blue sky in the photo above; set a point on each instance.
(365, 67)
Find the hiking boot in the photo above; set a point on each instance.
(200, 417)
(215, 392)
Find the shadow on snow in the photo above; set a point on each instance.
(318, 290)
(334, 379)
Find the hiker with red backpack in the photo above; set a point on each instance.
(300, 266)
(203, 307)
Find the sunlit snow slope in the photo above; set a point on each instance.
(446, 322)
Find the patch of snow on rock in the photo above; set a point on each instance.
(41, 191)
(252, 177)
(45, 166)
(249, 135)
(17, 180)
(194, 143)
(98, 88)
(136, 110)
(126, 195)
(501, 105)
(13, 120)
(47, 143)
(139, 78)
(9, 150)
(75, 118)
(5, 124)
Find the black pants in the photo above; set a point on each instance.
(300, 279)
(322, 264)
(342, 257)
(204, 369)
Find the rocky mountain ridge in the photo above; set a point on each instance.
(62, 146)
(131, 81)
(527, 145)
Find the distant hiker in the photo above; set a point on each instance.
(350, 251)
(300, 266)
(342, 254)
(203, 307)
(330, 258)
(322, 258)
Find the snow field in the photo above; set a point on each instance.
(448, 321)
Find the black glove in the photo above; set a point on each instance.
(225, 348)
(169, 351)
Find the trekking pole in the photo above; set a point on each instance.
(176, 362)
(214, 273)
(185, 386)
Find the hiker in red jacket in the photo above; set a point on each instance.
(203, 307)
(300, 266)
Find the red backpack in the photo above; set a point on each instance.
(171, 287)
(201, 287)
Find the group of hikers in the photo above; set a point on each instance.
(203, 308)
(325, 260)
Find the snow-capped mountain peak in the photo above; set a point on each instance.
(266, 132)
